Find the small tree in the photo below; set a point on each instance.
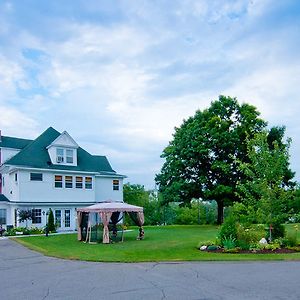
(50, 224)
(265, 188)
(25, 215)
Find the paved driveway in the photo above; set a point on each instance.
(25, 274)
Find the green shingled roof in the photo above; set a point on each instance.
(12, 142)
(35, 155)
(3, 198)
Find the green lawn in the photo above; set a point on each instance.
(163, 243)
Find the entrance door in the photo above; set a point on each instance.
(63, 219)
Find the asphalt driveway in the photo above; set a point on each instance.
(25, 274)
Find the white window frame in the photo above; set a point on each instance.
(116, 185)
(68, 182)
(30, 177)
(60, 157)
(88, 185)
(62, 182)
(39, 215)
(69, 158)
(78, 183)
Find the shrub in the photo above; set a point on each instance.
(229, 243)
(290, 240)
(278, 230)
(248, 236)
(51, 225)
(228, 229)
(35, 230)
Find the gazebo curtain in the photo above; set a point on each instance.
(105, 217)
(79, 220)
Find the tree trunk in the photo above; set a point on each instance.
(220, 212)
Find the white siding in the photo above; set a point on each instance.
(44, 191)
(7, 153)
(104, 189)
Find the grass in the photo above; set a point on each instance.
(163, 243)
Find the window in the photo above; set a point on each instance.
(36, 176)
(116, 184)
(69, 156)
(36, 216)
(16, 177)
(58, 218)
(59, 155)
(58, 183)
(88, 183)
(2, 216)
(79, 181)
(68, 182)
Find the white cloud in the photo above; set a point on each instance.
(15, 123)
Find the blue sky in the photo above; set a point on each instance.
(120, 75)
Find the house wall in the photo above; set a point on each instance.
(45, 191)
(104, 189)
(7, 153)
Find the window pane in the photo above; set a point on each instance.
(58, 181)
(68, 182)
(36, 216)
(115, 185)
(59, 155)
(69, 156)
(88, 182)
(79, 181)
(2, 216)
(36, 176)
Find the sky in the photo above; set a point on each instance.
(118, 76)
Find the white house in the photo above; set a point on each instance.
(52, 171)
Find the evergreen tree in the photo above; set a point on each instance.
(50, 224)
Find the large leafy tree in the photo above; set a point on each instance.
(200, 161)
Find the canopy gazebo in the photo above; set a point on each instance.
(109, 212)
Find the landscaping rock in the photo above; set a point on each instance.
(202, 248)
(263, 241)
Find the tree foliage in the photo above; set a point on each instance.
(25, 215)
(266, 188)
(137, 195)
(50, 224)
(200, 161)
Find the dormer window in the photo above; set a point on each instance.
(59, 155)
(69, 156)
(64, 156)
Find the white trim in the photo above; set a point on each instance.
(59, 145)
(49, 170)
(96, 174)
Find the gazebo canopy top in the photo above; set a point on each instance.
(110, 206)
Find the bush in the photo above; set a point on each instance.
(35, 230)
(228, 229)
(229, 243)
(250, 235)
(290, 240)
(278, 230)
(51, 225)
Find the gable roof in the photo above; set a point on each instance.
(35, 155)
(56, 142)
(13, 142)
